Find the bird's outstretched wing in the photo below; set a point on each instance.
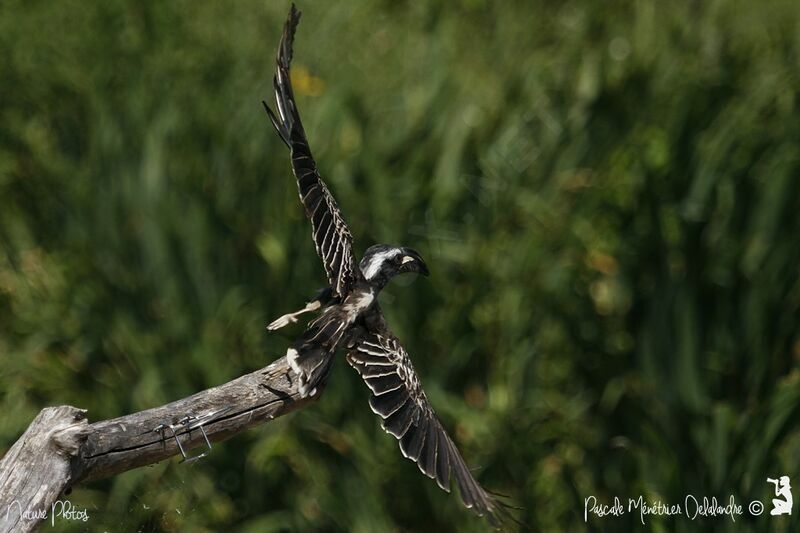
(397, 397)
(329, 230)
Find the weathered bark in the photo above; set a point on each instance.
(60, 448)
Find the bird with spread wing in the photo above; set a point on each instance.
(351, 318)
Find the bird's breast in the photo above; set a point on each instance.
(358, 302)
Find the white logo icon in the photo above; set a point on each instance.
(782, 490)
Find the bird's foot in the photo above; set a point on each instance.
(285, 320)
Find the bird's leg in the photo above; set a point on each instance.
(291, 318)
(322, 298)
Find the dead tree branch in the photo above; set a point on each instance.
(61, 449)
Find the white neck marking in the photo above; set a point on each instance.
(376, 261)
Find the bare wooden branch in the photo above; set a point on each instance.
(38, 466)
(60, 449)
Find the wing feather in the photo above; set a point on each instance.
(431, 451)
(332, 237)
(399, 400)
(443, 471)
(387, 404)
(400, 421)
(384, 384)
(412, 444)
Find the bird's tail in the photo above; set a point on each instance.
(312, 364)
(311, 355)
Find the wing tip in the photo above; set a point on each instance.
(287, 39)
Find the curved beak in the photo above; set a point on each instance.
(412, 262)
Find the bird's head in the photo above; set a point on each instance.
(382, 262)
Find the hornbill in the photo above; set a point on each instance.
(351, 317)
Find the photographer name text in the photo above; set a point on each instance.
(692, 508)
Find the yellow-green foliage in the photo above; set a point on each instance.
(607, 195)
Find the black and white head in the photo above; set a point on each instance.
(382, 262)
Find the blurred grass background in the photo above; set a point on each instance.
(607, 195)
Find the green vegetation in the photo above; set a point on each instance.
(607, 194)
